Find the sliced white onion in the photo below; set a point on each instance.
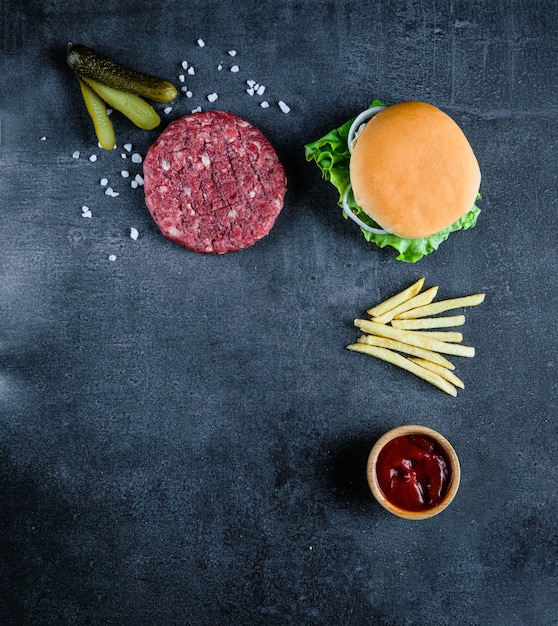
(358, 122)
(346, 208)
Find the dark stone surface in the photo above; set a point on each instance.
(183, 438)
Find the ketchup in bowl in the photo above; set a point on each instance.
(413, 472)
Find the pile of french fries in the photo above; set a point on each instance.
(402, 325)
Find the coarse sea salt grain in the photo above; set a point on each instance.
(220, 67)
(201, 43)
(191, 71)
(235, 69)
(75, 155)
(112, 257)
(212, 97)
(134, 184)
(185, 65)
(43, 138)
(136, 158)
(264, 104)
(104, 182)
(134, 234)
(260, 91)
(167, 110)
(189, 94)
(181, 78)
(127, 147)
(232, 53)
(125, 173)
(139, 179)
(284, 107)
(93, 158)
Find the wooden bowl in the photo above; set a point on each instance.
(451, 457)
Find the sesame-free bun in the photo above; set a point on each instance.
(413, 170)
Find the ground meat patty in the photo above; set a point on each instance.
(213, 182)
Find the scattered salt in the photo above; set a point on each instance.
(109, 111)
(189, 94)
(284, 107)
(234, 69)
(104, 182)
(219, 67)
(86, 214)
(93, 158)
(43, 138)
(127, 147)
(232, 53)
(184, 65)
(134, 234)
(250, 83)
(201, 43)
(167, 110)
(125, 173)
(212, 97)
(181, 78)
(124, 156)
(136, 158)
(260, 91)
(250, 91)
(112, 257)
(139, 179)
(191, 71)
(197, 110)
(264, 104)
(134, 184)
(75, 155)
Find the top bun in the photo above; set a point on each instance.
(413, 170)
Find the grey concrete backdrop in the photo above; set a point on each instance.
(183, 438)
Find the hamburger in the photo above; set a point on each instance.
(405, 173)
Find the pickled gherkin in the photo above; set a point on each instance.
(90, 64)
(97, 109)
(133, 107)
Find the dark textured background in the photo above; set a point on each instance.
(183, 438)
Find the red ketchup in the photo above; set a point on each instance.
(413, 472)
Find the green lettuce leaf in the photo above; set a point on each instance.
(332, 156)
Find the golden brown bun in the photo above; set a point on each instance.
(413, 170)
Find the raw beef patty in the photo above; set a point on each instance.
(213, 182)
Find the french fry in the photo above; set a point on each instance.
(429, 322)
(396, 300)
(442, 371)
(441, 306)
(399, 346)
(416, 301)
(404, 363)
(442, 335)
(413, 338)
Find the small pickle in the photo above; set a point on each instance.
(91, 64)
(133, 107)
(98, 111)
